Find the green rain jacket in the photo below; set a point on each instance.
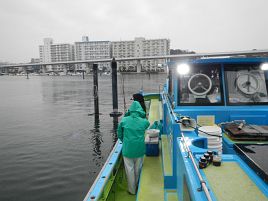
(131, 131)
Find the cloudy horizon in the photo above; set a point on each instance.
(201, 26)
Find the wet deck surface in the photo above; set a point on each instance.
(171, 196)
(154, 113)
(230, 182)
(151, 181)
(151, 187)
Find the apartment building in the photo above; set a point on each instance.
(92, 50)
(50, 52)
(140, 47)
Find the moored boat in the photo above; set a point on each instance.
(213, 140)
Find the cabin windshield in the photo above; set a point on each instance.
(246, 85)
(202, 86)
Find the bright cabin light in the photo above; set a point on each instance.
(264, 66)
(183, 69)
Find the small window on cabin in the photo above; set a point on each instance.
(201, 86)
(246, 84)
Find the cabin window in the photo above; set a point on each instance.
(246, 84)
(201, 86)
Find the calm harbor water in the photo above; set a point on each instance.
(51, 146)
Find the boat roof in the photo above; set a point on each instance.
(221, 60)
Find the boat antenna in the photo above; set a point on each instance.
(123, 91)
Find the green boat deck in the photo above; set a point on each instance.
(151, 186)
(119, 191)
(225, 179)
(171, 195)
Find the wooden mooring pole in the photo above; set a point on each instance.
(115, 112)
(95, 89)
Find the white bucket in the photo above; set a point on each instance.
(215, 141)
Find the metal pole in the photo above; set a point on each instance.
(83, 74)
(115, 125)
(114, 90)
(27, 73)
(114, 86)
(95, 88)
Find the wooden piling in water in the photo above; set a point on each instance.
(95, 89)
(115, 112)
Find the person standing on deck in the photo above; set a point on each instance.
(131, 132)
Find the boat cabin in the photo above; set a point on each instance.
(219, 105)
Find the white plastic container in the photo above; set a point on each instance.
(214, 137)
(152, 132)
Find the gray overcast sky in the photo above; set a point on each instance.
(199, 25)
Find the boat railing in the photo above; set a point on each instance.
(190, 155)
(90, 195)
(201, 180)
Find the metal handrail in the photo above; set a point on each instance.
(202, 181)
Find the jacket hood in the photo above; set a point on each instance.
(136, 109)
(138, 97)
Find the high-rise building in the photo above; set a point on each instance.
(92, 50)
(141, 48)
(50, 52)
